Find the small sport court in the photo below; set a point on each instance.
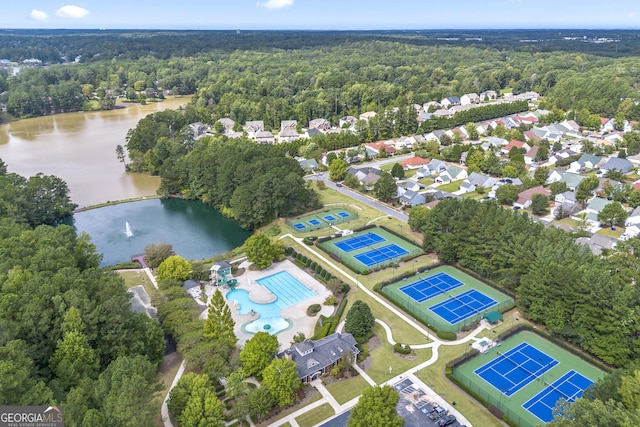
(381, 254)
(321, 220)
(569, 387)
(429, 287)
(511, 371)
(359, 242)
(460, 307)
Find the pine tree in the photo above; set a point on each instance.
(219, 324)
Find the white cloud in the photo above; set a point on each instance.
(275, 4)
(70, 11)
(38, 15)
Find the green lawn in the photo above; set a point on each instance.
(608, 232)
(316, 396)
(450, 187)
(384, 357)
(315, 415)
(570, 222)
(133, 277)
(345, 390)
(434, 377)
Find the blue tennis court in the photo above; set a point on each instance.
(460, 307)
(359, 242)
(570, 387)
(330, 218)
(516, 368)
(299, 226)
(343, 214)
(382, 254)
(429, 287)
(314, 222)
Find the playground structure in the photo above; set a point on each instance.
(219, 274)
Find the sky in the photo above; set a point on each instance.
(320, 14)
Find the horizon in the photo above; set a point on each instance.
(314, 15)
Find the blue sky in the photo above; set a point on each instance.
(319, 14)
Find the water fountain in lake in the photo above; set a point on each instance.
(127, 229)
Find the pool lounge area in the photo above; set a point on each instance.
(275, 300)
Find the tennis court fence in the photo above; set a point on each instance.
(500, 402)
(427, 317)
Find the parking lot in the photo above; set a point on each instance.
(417, 409)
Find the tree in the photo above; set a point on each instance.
(359, 321)
(258, 353)
(376, 408)
(281, 379)
(397, 171)
(261, 251)
(203, 409)
(155, 253)
(120, 153)
(418, 217)
(174, 268)
(472, 130)
(236, 385)
(541, 174)
(385, 187)
(586, 187)
(634, 198)
(539, 204)
(181, 393)
(613, 214)
(507, 194)
(542, 154)
(338, 169)
(219, 324)
(351, 181)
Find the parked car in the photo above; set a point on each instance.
(449, 419)
(338, 185)
(437, 413)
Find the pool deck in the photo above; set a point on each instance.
(297, 313)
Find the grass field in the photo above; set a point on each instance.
(512, 406)
(345, 390)
(315, 415)
(422, 310)
(349, 258)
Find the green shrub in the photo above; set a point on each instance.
(341, 308)
(314, 309)
(365, 272)
(307, 241)
(449, 336)
(331, 300)
(402, 348)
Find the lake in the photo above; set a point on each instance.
(80, 149)
(195, 230)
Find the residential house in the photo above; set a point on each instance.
(614, 137)
(434, 136)
(597, 243)
(434, 167)
(608, 125)
(198, 130)
(495, 142)
(431, 105)
(367, 115)
(320, 124)
(227, 124)
(444, 113)
(586, 162)
(475, 180)
(408, 185)
(308, 165)
(453, 173)
(316, 358)
(528, 118)
(288, 134)
(414, 163)
(373, 148)
(311, 132)
(531, 136)
(347, 120)
(288, 124)
(411, 198)
(192, 287)
(616, 163)
(253, 127)
(593, 209)
(520, 145)
(264, 137)
(367, 176)
(560, 155)
(572, 180)
(634, 217)
(489, 95)
(450, 101)
(530, 155)
(469, 98)
(525, 197)
(566, 204)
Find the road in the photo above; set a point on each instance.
(369, 201)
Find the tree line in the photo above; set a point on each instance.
(69, 336)
(589, 301)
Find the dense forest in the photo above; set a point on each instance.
(589, 301)
(68, 335)
(274, 76)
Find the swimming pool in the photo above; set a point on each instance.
(288, 291)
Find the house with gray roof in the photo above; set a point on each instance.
(453, 173)
(616, 163)
(308, 165)
(572, 180)
(316, 358)
(253, 127)
(634, 217)
(264, 137)
(411, 198)
(597, 243)
(592, 210)
(450, 101)
(476, 179)
(585, 162)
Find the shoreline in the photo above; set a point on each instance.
(116, 202)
